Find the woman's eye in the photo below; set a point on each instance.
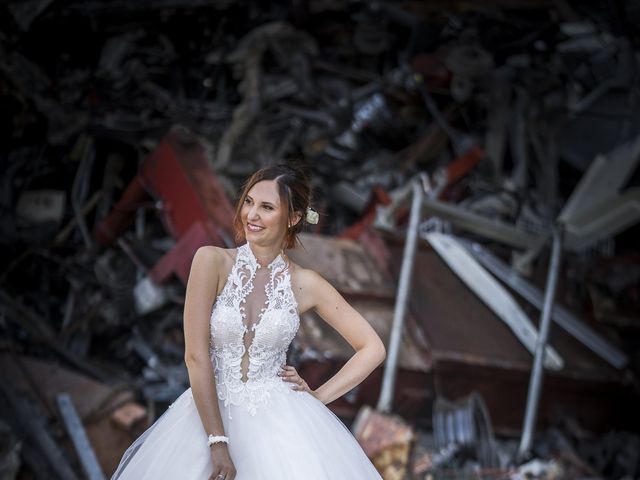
(246, 200)
(268, 207)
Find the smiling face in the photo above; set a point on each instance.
(272, 206)
(264, 218)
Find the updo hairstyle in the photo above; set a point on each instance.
(295, 192)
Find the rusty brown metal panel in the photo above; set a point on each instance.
(456, 323)
(345, 264)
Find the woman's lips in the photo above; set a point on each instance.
(254, 228)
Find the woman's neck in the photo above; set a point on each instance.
(264, 254)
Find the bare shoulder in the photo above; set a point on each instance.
(210, 267)
(211, 256)
(306, 284)
(214, 262)
(305, 277)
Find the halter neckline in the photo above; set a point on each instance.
(276, 262)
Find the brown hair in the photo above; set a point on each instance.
(294, 190)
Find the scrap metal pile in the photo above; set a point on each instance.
(129, 127)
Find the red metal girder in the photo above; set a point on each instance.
(179, 174)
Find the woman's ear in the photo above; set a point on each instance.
(295, 219)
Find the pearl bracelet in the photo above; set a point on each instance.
(217, 439)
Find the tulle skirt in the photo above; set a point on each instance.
(293, 436)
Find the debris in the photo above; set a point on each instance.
(538, 469)
(66, 231)
(41, 206)
(42, 333)
(129, 416)
(386, 440)
(464, 426)
(148, 296)
(512, 119)
(290, 49)
(597, 207)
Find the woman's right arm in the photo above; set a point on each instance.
(202, 288)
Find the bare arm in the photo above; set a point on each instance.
(201, 291)
(369, 349)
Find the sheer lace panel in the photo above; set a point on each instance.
(255, 305)
(253, 323)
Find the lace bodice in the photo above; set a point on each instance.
(253, 322)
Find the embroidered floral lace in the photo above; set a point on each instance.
(253, 322)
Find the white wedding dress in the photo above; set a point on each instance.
(275, 433)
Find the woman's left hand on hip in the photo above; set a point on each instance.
(290, 374)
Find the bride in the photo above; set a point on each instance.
(248, 415)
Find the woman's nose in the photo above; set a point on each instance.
(253, 212)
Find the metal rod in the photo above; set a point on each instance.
(402, 296)
(537, 372)
(481, 225)
(79, 437)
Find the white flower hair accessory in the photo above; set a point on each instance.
(312, 216)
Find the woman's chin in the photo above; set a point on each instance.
(252, 234)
